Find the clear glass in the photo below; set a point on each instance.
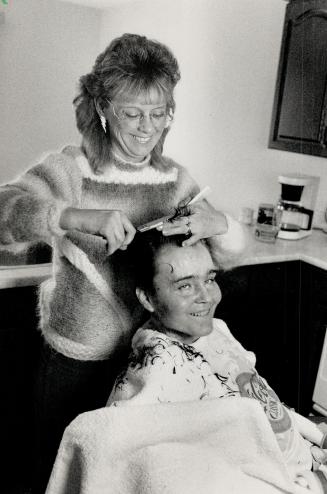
(268, 223)
(133, 116)
(266, 233)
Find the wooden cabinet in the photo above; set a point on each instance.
(260, 305)
(279, 311)
(19, 340)
(313, 328)
(299, 120)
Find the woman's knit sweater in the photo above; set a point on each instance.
(88, 309)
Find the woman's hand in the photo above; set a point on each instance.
(199, 220)
(112, 225)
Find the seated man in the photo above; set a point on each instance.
(183, 353)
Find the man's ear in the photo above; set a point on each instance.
(144, 299)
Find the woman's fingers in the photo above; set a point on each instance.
(185, 225)
(178, 226)
(203, 221)
(191, 240)
(112, 225)
(129, 232)
(118, 231)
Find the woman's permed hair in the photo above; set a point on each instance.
(131, 63)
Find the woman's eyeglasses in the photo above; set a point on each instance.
(135, 116)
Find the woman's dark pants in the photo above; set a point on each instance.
(64, 388)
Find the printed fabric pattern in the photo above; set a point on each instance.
(162, 369)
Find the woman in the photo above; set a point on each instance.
(87, 202)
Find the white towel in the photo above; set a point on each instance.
(202, 447)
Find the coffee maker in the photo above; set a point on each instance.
(295, 207)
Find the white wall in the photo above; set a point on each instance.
(228, 52)
(45, 47)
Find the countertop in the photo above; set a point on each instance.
(24, 275)
(312, 249)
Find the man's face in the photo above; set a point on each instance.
(185, 293)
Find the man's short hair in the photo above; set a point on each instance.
(143, 251)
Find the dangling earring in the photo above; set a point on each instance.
(169, 120)
(103, 123)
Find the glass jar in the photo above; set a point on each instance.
(268, 223)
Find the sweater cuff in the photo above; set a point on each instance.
(234, 240)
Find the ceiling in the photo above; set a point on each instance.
(100, 4)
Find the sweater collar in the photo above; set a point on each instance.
(117, 160)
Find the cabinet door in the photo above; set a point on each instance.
(313, 327)
(260, 305)
(299, 113)
(19, 340)
(234, 305)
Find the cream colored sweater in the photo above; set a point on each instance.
(88, 309)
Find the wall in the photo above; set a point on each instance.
(45, 47)
(228, 53)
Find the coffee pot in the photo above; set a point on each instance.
(296, 204)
